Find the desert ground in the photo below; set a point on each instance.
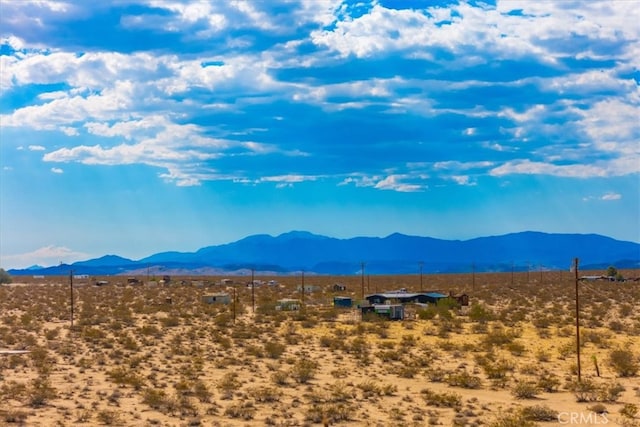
(155, 354)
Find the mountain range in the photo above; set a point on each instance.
(297, 251)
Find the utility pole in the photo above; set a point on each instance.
(362, 277)
(421, 263)
(253, 292)
(302, 288)
(368, 282)
(541, 267)
(575, 269)
(473, 276)
(528, 268)
(71, 294)
(234, 304)
(512, 267)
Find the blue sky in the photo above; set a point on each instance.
(135, 127)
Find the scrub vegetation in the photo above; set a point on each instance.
(159, 356)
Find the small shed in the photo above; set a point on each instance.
(462, 299)
(389, 311)
(339, 287)
(308, 288)
(342, 302)
(219, 298)
(288, 304)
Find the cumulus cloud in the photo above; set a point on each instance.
(46, 256)
(36, 148)
(530, 89)
(611, 196)
(57, 170)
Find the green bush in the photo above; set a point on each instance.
(304, 370)
(624, 362)
(539, 413)
(525, 390)
(4, 277)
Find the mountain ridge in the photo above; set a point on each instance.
(395, 253)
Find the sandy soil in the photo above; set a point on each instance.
(141, 355)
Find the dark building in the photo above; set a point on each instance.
(405, 297)
(342, 302)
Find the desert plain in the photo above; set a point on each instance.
(153, 354)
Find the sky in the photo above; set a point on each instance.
(133, 127)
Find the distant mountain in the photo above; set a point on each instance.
(394, 254)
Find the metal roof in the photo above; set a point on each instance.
(406, 295)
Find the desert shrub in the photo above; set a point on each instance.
(480, 313)
(304, 370)
(610, 392)
(124, 376)
(170, 321)
(201, 391)
(406, 371)
(539, 413)
(369, 389)
(624, 362)
(4, 276)
(14, 416)
(360, 349)
(387, 356)
(280, 378)
(548, 382)
(154, 398)
(597, 338)
(109, 417)
(243, 410)
(228, 384)
(40, 392)
(525, 390)
(463, 379)
(495, 368)
(629, 410)
(444, 399)
(499, 337)
(274, 349)
(264, 394)
(516, 419)
(12, 390)
(584, 391)
(330, 413)
(516, 348)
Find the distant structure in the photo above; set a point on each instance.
(403, 297)
(339, 287)
(308, 288)
(388, 311)
(342, 302)
(218, 298)
(288, 304)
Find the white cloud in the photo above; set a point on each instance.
(57, 170)
(287, 180)
(394, 182)
(611, 196)
(45, 256)
(69, 131)
(463, 180)
(36, 148)
(597, 169)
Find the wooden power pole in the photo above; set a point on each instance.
(71, 294)
(575, 269)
